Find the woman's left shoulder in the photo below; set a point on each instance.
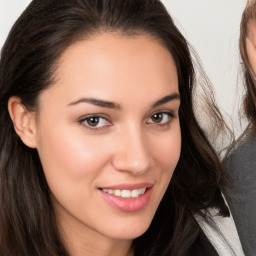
(221, 232)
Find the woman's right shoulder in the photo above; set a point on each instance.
(242, 152)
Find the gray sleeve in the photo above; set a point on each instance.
(240, 191)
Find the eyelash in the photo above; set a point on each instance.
(169, 115)
(84, 120)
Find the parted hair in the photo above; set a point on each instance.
(29, 59)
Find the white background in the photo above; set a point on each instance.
(212, 28)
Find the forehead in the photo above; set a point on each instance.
(115, 67)
(113, 46)
(117, 56)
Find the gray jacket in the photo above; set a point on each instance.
(240, 190)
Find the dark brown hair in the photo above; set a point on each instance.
(28, 61)
(248, 15)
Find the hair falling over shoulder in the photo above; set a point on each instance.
(29, 59)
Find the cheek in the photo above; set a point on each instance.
(251, 52)
(252, 60)
(66, 155)
(166, 153)
(168, 149)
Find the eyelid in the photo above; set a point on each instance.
(82, 121)
(171, 114)
(164, 111)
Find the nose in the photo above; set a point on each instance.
(132, 154)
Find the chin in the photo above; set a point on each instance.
(130, 232)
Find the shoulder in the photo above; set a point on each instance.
(241, 154)
(221, 232)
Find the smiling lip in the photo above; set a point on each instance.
(127, 197)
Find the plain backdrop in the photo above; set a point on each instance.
(211, 27)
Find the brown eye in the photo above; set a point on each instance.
(95, 122)
(161, 118)
(157, 118)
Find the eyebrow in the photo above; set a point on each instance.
(112, 105)
(96, 102)
(171, 97)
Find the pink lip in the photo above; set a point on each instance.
(128, 204)
(129, 186)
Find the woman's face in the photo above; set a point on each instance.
(251, 44)
(108, 134)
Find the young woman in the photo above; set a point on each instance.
(240, 164)
(101, 153)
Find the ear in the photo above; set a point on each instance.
(24, 121)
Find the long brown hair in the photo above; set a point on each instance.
(28, 62)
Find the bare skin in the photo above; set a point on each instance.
(109, 124)
(251, 44)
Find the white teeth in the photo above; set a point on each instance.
(117, 192)
(142, 191)
(126, 193)
(110, 191)
(135, 193)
